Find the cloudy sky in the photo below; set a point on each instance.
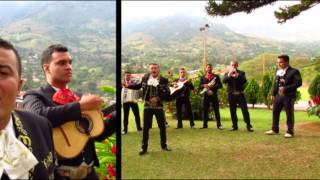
(260, 23)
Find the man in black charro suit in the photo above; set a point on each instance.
(210, 83)
(236, 79)
(128, 103)
(287, 81)
(56, 63)
(184, 98)
(26, 146)
(155, 90)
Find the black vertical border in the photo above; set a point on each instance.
(118, 86)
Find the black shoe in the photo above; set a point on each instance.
(234, 129)
(142, 152)
(124, 132)
(167, 148)
(139, 129)
(204, 127)
(250, 129)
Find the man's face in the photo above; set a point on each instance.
(234, 64)
(182, 73)
(154, 70)
(282, 63)
(209, 69)
(59, 70)
(10, 82)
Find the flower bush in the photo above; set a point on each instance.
(106, 152)
(314, 106)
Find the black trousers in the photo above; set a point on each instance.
(135, 110)
(187, 104)
(147, 121)
(288, 104)
(233, 101)
(207, 101)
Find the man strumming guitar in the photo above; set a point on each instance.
(210, 83)
(184, 98)
(60, 105)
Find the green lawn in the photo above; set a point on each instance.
(215, 154)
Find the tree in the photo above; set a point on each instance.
(265, 90)
(223, 96)
(314, 89)
(228, 7)
(252, 92)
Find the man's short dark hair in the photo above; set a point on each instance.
(7, 45)
(209, 65)
(284, 57)
(155, 64)
(127, 72)
(182, 69)
(46, 56)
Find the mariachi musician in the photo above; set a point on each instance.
(155, 90)
(129, 99)
(236, 79)
(288, 79)
(184, 98)
(210, 83)
(26, 146)
(60, 105)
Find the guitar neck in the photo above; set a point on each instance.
(109, 109)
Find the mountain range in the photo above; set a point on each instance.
(86, 28)
(177, 40)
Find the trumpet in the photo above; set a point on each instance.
(210, 85)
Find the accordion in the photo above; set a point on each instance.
(130, 95)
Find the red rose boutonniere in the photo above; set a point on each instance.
(64, 96)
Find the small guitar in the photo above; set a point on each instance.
(177, 88)
(70, 138)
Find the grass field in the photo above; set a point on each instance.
(215, 154)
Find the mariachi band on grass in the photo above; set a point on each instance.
(156, 90)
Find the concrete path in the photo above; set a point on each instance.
(300, 106)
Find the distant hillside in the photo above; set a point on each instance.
(254, 67)
(176, 40)
(86, 28)
(310, 70)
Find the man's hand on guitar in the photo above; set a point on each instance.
(206, 86)
(90, 102)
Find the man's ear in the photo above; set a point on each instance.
(45, 68)
(20, 85)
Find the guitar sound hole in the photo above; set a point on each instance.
(84, 125)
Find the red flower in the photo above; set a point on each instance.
(105, 178)
(108, 116)
(64, 96)
(316, 100)
(111, 171)
(114, 149)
